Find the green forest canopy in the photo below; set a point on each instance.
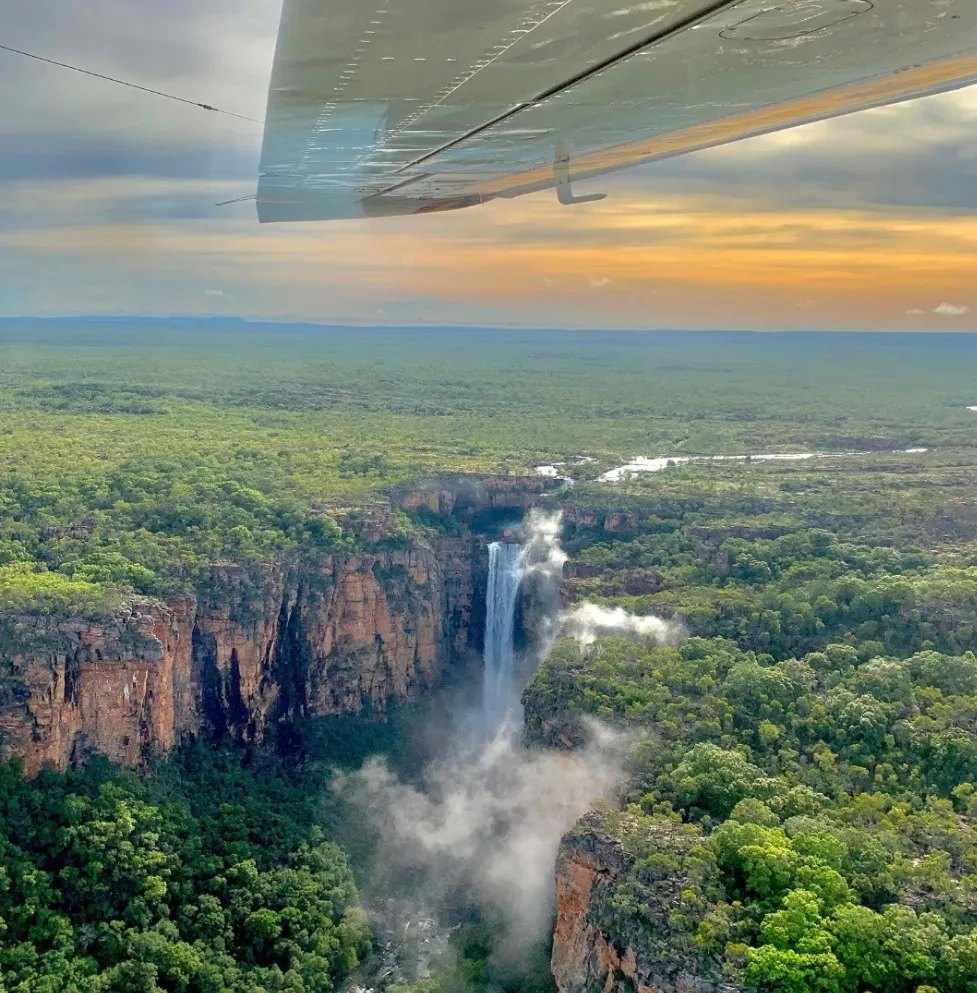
(205, 878)
(806, 762)
(133, 454)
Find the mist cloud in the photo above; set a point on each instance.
(542, 561)
(482, 828)
(487, 822)
(589, 621)
(542, 554)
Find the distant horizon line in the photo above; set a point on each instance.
(308, 323)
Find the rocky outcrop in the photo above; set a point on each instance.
(589, 865)
(582, 517)
(464, 497)
(597, 946)
(620, 522)
(589, 518)
(575, 569)
(583, 578)
(69, 683)
(342, 635)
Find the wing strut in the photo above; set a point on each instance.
(561, 173)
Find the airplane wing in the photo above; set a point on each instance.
(380, 107)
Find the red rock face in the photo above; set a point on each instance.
(582, 518)
(582, 958)
(357, 632)
(583, 961)
(77, 683)
(574, 937)
(436, 500)
(362, 630)
(620, 522)
(594, 951)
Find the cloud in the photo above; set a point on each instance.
(589, 621)
(218, 52)
(676, 261)
(922, 153)
(915, 311)
(950, 310)
(599, 282)
(487, 822)
(215, 293)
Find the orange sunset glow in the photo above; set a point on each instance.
(862, 222)
(631, 261)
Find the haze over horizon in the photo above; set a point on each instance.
(205, 319)
(107, 206)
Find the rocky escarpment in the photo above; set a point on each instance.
(344, 635)
(581, 579)
(623, 913)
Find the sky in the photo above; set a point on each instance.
(107, 206)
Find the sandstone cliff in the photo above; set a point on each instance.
(623, 915)
(342, 635)
(465, 497)
(614, 521)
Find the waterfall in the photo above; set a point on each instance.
(505, 573)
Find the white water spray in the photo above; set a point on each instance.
(539, 562)
(484, 823)
(505, 574)
(589, 621)
(486, 820)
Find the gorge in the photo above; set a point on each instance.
(347, 634)
(723, 672)
(476, 835)
(244, 575)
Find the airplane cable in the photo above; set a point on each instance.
(132, 86)
(225, 203)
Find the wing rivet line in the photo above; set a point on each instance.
(659, 36)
